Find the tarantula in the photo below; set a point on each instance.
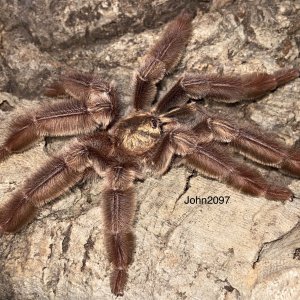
(148, 138)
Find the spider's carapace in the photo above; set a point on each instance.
(138, 133)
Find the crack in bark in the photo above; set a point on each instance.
(265, 245)
(228, 287)
(106, 33)
(186, 188)
(66, 241)
(89, 245)
(51, 250)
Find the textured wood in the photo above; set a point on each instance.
(244, 249)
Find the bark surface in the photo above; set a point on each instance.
(246, 249)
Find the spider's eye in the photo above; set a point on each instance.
(154, 123)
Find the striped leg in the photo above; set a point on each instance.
(65, 117)
(54, 178)
(224, 88)
(260, 147)
(119, 209)
(212, 162)
(160, 59)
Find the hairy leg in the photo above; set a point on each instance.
(214, 163)
(77, 85)
(54, 178)
(224, 88)
(262, 148)
(160, 59)
(119, 210)
(65, 117)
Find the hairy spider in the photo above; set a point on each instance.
(148, 138)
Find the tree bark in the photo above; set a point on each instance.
(248, 248)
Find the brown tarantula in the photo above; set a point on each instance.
(147, 138)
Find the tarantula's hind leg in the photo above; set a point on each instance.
(120, 241)
(211, 161)
(49, 182)
(119, 210)
(262, 148)
(216, 163)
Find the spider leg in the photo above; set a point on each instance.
(159, 158)
(259, 147)
(65, 117)
(214, 162)
(262, 148)
(54, 178)
(160, 59)
(224, 88)
(77, 85)
(211, 161)
(119, 209)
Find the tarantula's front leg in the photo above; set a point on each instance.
(224, 88)
(119, 209)
(53, 179)
(161, 58)
(66, 117)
